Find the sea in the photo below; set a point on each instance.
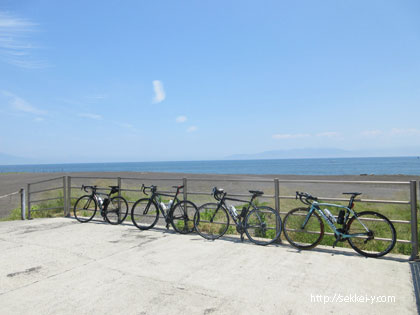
(318, 166)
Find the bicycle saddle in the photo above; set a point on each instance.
(256, 192)
(113, 187)
(352, 193)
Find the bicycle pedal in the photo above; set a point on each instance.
(242, 237)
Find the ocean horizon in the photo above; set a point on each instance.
(304, 166)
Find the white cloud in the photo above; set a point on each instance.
(15, 47)
(39, 119)
(371, 133)
(181, 119)
(91, 116)
(328, 134)
(192, 129)
(159, 91)
(290, 136)
(21, 105)
(405, 132)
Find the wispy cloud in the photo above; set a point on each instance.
(192, 129)
(22, 105)
(91, 116)
(328, 134)
(371, 133)
(290, 136)
(181, 119)
(159, 91)
(15, 46)
(405, 131)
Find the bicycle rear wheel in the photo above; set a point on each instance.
(380, 238)
(210, 221)
(306, 237)
(263, 225)
(183, 217)
(145, 214)
(85, 208)
(116, 211)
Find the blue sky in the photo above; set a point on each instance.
(95, 81)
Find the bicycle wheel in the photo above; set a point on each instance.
(303, 237)
(209, 223)
(116, 211)
(183, 216)
(263, 225)
(144, 214)
(85, 208)
(380, 238)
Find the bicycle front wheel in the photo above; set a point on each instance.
(144, 214)
(299, 234)
(263, 225)
(85, 208)
(211, 221)
(379, 238)
(116, 211)
(183, 217)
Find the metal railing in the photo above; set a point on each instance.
(66, 186)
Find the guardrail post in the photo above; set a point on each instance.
(65, 209)
(414, 231)
(277, 202)
(68, 196)
(22, 204)
(28, 189)
(184, 191)
(119, 201)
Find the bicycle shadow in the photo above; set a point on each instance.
(236, 239)
(342, 252)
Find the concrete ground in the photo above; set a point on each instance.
(60, 266)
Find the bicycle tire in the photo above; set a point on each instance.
(182, 216)
(265, 224)
(380, 226)
(212, 229)
(81, 211)
(294, 219)
(118, 215)
(144, 218)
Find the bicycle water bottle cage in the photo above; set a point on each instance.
(340, 219)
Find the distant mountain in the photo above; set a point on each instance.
(7, 159)
(325, 153)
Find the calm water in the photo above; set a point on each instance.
(338, 166)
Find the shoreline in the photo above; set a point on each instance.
(12, 182)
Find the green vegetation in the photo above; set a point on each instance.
(392, 211)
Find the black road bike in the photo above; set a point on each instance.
(178, 213)
(113, 210)
(261, 224)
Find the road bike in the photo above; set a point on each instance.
(178, 213)
(261, 224)
(369, 233)
(113, 210)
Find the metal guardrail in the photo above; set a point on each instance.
(67, 188)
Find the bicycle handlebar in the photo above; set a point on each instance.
(152, 189)
(216, 192)
(85, 188)
(305, 198)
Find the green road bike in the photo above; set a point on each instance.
(369, 233)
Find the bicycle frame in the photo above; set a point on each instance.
(316, 207)
(155, 198)
(244, 212)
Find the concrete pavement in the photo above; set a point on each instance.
(60, 266)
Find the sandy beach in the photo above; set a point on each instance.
(11, 182)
